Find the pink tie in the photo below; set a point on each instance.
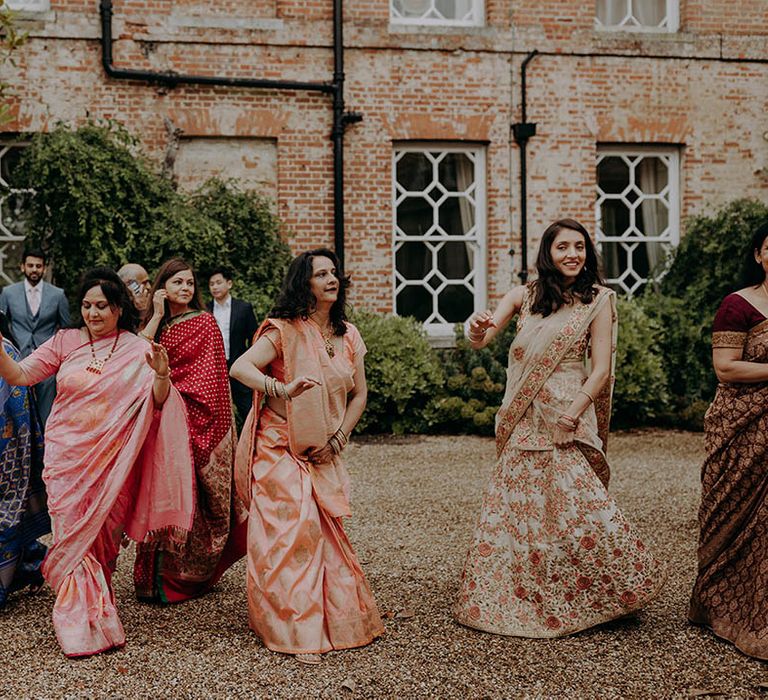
(34, 300)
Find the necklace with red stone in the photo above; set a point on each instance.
(96, 365)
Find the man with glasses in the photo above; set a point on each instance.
(137, 281)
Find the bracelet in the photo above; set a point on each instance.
(476, 335)
(338, 441)
(162, 376)
(587, 394)
(275, 389)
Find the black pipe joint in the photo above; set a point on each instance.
(522, 131)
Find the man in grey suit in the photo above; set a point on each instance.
(36, 310)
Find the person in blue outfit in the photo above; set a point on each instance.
(23, 513)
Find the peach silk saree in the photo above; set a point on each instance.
(114, 464)
(306, 590)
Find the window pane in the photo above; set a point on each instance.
(414, 172)
(414, 301)
(455, 260)
(612, 13)
(455, 303)
(413, 261)
(415, 216)
(613, 175)
(412, 8)
(456, 216)
(649, 13)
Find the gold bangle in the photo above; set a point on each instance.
(167, 375)
(587, 394)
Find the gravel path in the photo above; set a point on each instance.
(415, 502)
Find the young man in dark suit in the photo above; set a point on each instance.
(237, 324)
(36, 310)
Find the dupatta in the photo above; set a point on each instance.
(537, 352)
(312, 417)
(105, 435)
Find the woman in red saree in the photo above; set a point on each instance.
(552, 554)
(730, 595)
(199, 372)
(306, 591)
(114, 463)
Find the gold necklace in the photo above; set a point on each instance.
(96, 365)
(326, 336)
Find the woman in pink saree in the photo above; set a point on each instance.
(552, 554)
(306, 591)
(116, 462)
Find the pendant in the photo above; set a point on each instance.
(329, 347)
(95, 366)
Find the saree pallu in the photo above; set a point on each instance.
(23, 511)
(114, 464)
(552, 554)
(731, 591)
(306, 590)
(218, 537)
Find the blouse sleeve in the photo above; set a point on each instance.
(731, 324)
(45, 361)
(356, 341)
(272, 334)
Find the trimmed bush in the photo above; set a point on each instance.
(403, 374)
(640, 393)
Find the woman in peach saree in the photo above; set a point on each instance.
(116, 462)
(552, 554)
(306, 591)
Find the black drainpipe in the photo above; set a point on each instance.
(335, 88)
(522, 131)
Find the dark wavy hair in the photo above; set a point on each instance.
(6, 331)
(116, 294)
(549, 289)
(753, 273)
(167, 270)
(295, 299)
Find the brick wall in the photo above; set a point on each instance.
(586, 88)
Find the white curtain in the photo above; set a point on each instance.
(649, 13)
(652, 176)
(611, 12)
(455, 9)
(459, 263)
(412, 8)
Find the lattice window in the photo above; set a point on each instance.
(439, 234)
(460, 13)
(638, 213)
(637, 15)
(13, 212)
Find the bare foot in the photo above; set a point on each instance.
(311, 659)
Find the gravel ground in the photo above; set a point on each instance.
(415, 502)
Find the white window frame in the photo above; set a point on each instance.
(670, 25)
(671, 194)
(28, 5)
(443, 333)
(6, 236)
(476, 19)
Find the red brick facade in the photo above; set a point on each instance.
(702, 89)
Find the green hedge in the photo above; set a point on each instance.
(98, 201)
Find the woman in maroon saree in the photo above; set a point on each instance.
(730, 595)
(199, 372)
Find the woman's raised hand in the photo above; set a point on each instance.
(301, 384)
(480, 322)
(158, 302)
(157, 359)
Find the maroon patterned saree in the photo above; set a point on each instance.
(731, 591)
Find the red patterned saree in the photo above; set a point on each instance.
(731, 591)
(552, 553)
(218, 538)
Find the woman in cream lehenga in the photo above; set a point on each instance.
(306, 591)
(552, 554)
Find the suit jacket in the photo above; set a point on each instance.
(242, 327)
(32, 331)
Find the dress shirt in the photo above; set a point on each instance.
(33, 295)
(222, 313)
